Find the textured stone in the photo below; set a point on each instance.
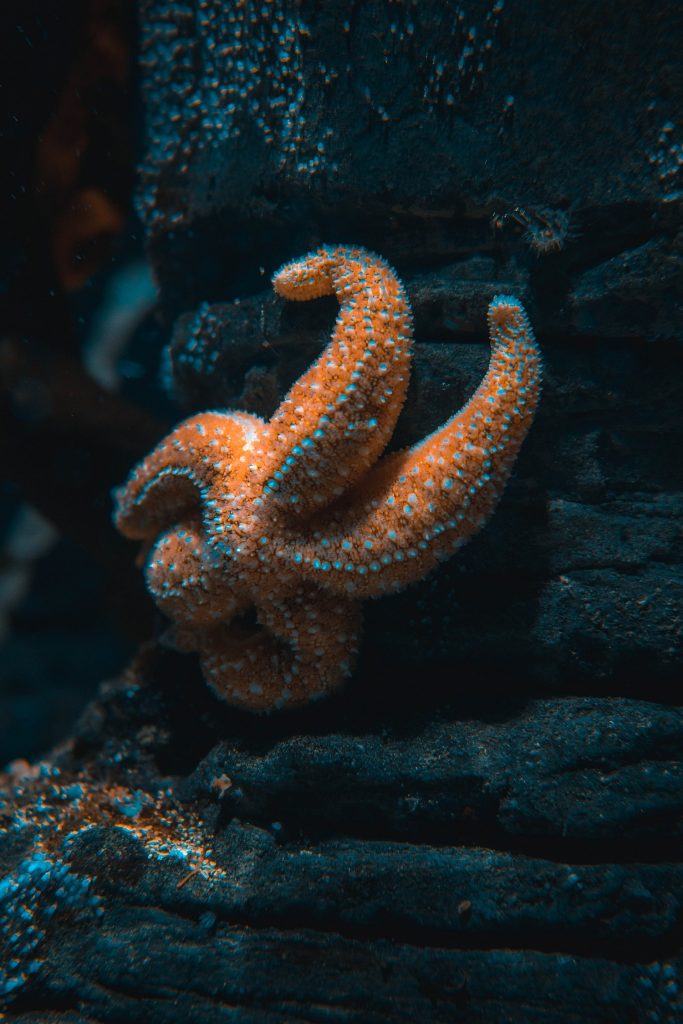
(487, 824)
(584, 770)
(516, 866)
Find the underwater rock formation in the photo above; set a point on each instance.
(492, 869)
(486, 824)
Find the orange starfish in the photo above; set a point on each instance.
(299, 517)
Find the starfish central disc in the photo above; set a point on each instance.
(302, 517)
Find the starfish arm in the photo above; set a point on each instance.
(304, 648)
(336, 420)
(418, 506)
(184, 470)
(183, 575)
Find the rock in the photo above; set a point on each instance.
(486, 824)
(511, 869)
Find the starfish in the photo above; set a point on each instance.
(302, 517)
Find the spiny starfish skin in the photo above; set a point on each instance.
(299, 517)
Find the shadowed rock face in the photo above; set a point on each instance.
(349, 865)
(487, 823)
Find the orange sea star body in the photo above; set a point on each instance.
(301, 517)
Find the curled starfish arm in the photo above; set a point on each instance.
(418, 506)
(304, 647)
(182, 471)
(184, 578)
(338, 417)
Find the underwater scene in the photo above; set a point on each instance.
(341, 512)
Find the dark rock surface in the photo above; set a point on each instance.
(486, 825)
(524, 869)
